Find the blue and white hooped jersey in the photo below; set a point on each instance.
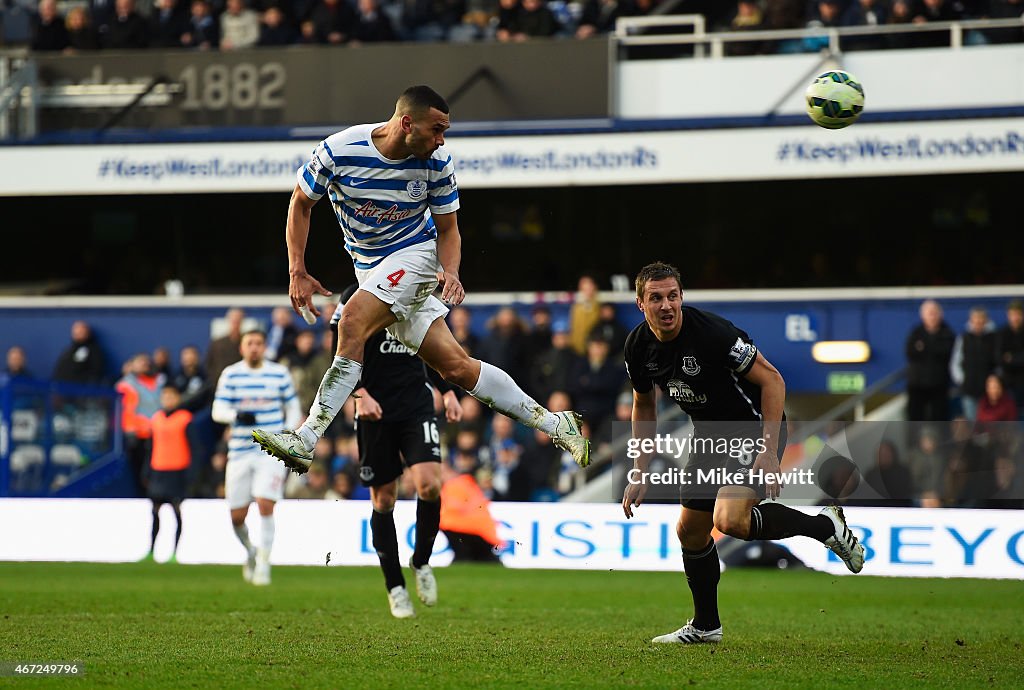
(266, 391)
(383, 205)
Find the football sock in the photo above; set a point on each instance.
(177, 532)
(266, 533)
(702, 575)
(776, 521)
(338, 383)
(242, 532)
(385, 542)
(428, 518)
(156, 527)
(497, 390)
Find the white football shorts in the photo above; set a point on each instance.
(406, 280)
(253, 474)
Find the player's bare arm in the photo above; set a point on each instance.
(301, 285)
(452, 407)
(449, 253)
(645, 417)
(773, 398)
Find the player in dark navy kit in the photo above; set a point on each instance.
(716, 374)
(396, 428)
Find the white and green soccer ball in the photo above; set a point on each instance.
(835, 99)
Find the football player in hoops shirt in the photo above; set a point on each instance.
(716, 374)
(393, 189)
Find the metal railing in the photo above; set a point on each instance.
(628, 32)
(18, 103)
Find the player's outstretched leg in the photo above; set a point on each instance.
(496, 389)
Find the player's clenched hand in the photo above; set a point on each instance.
(768, 463)
(301, 288)
(452, 407)
(368, 408)
(633, 496)
(451, 288)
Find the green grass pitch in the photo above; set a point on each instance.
(177, 626)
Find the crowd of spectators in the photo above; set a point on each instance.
(81, 25)
(964, 389)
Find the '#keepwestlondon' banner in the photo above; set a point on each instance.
(921, 148)
(594, 536)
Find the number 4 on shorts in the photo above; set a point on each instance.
(395, 277)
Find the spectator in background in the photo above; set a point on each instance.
(928, 350)
(168, 22)
(102, 14)
(609, 328)
(239, 27)
(902, 12)
(508, 28)
(191, 380)
(128, 30)
(505, 343)
(162, 362)
(275, 29)
(49, 32)
(1006, 9)
(510, 478)
(542, 462)
(538, 336)
(169, 463)
(997, 405)
(140, 391)
(599, 16)
(552, 370)
(1010, 350)
(748, 17)
(466, 516)
(596, 382)
(282, 334)
(82, 361)
(927, 464)
(431, 20)
(536, 20)
(461, 320)
(17, 363)
(307, 366)
(224, 350)
(973, 359)
(890, 478)
(865, 13)
(332, 21)
(784, 14)
(584, 314)
(315, 486)
(202, 33)
(81, 34)
(372, 25)
(970, 473)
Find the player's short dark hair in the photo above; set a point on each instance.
(659, 270)
(171, 387)
(255, 331)
(421, 98)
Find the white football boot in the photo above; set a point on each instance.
(287, 446)
(569, 437)
(426, 584)
(690, 635)
(843, 543)
(401, 604)
(261, 574)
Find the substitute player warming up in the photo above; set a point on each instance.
(396, 428)
(393, 188)
(254, 391)
(713, 371)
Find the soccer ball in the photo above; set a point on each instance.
(835, 99)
